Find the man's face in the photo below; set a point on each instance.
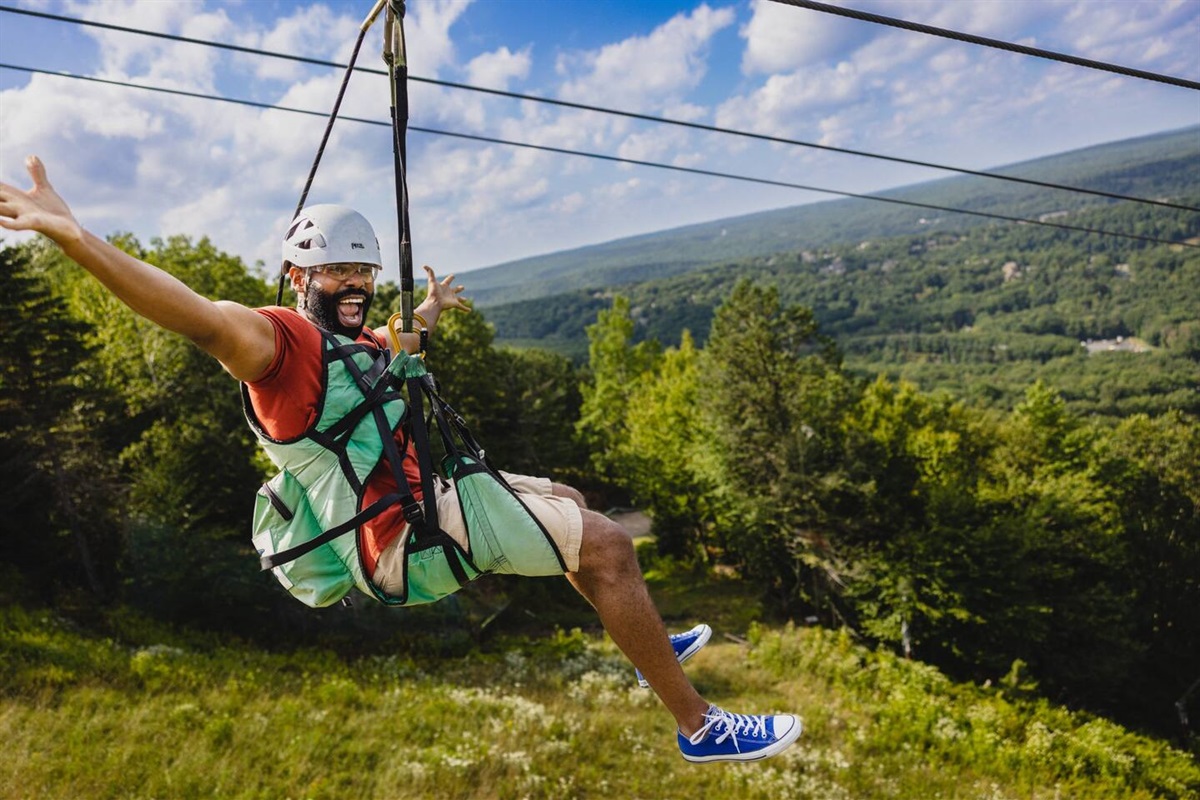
(338, 306)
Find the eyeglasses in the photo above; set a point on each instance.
(343, 271)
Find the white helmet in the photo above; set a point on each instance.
(329, 234)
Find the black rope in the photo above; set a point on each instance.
(986, 42)
(312, 172)
(617, 112)
(396, 57)
(619, 159)
(337, 104)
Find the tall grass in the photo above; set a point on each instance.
(147, 713)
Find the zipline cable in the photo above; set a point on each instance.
(617, 112)
(879, 19)
(337, 104)
(615, 159)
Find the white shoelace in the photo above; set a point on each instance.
(726, 725)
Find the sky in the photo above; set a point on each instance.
(129, 160)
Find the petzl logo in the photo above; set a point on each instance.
(357, 246)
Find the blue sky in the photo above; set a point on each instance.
(157, 165)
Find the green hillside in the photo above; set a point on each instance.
(1163, 165)
(981, 311)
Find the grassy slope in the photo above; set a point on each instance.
(146, 713)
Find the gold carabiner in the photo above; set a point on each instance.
(394, 332)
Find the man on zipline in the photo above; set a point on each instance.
(281, 357)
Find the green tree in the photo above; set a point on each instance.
(1152, 467)
(666, 449)
(1059, 597)
(540, 398)
(776, 397)
(520, 404)
(188, 462)
(54, 473)
(615, 365)
(913, 461)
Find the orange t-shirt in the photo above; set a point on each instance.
(287, 401)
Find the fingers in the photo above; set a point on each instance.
(433, 277)
(37, 171)
(445, 285)
(8, 208)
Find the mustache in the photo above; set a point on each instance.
(342, 294)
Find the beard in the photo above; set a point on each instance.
(322, 308)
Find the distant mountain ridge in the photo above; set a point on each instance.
(1158, 166)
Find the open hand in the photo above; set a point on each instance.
(443, 293)
(39, 209)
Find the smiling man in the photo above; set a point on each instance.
(317, 394)
(348, 261)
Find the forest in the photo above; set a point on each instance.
(1039, 545)
(982, 312)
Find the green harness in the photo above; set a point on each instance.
(301, 515)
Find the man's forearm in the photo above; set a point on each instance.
(152, 293)
(243, 341)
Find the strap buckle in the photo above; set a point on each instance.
(412, 511)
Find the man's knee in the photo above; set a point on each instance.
(606, 546)
(569, 492)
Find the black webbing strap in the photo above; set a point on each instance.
(277, 502)
(336, 436)
(420, 435)
(412, 510)
(375, 389)
(292, 553)
(451, 422)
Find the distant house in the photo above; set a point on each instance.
(1117, 345)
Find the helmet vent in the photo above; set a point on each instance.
(297, 225)
(327, 234)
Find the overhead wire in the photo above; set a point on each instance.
(616, 112)
(1000, 44)
(611, 158)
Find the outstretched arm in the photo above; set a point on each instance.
(242, 340)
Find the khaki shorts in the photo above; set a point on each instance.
(531, 556)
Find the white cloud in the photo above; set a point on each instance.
(461, 109)
(499, 68)
(653, 144)
(310, 31)
(646, 71)
(164, 62)
(619, 191)
(782, 106)
(427, 33)
(782, 38)
(570, 204)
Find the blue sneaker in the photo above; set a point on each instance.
(738, 737)
(686, 645)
